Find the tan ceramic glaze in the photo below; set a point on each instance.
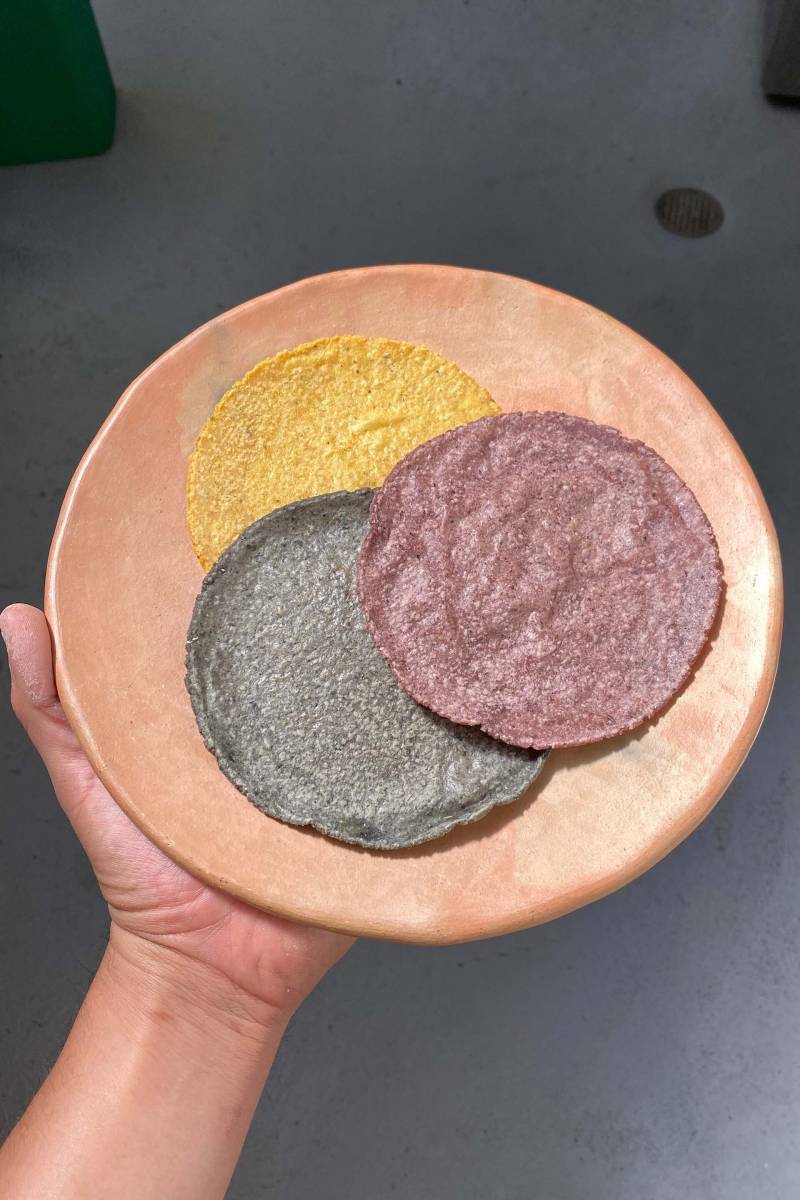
(122, 580)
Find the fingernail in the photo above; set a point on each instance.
(22, 665)
(8, 640)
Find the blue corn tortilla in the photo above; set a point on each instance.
(300, 709)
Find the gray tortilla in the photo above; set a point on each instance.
(301, 711)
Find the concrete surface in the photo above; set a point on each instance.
(646, 1047)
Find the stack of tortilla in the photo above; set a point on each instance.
(386, 664)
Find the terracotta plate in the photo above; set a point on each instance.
(122, 580)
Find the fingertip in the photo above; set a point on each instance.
(30, 655)
(16, 615)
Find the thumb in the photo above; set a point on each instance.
(34, 699)
(110, 839)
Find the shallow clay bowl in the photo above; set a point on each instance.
(122, 580)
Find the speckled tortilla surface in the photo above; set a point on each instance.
(541, 577)
(302, 712)
(331, 415)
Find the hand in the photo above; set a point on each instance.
(156, 1085)
(162, 917)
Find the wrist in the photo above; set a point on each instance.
(155, 1088)
(160, 985)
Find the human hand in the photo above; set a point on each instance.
(163, 919)
(156, 1085)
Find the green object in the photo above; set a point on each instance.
(57, 96)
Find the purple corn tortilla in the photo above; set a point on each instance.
(539, 576)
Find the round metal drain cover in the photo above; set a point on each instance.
(689, 212)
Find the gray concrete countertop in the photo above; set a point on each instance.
(648, 1046)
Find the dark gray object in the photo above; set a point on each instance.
(690, 212)
(299, 708)
(782, 69)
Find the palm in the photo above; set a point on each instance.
(148, 895)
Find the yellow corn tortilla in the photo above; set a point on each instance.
(329, 416)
